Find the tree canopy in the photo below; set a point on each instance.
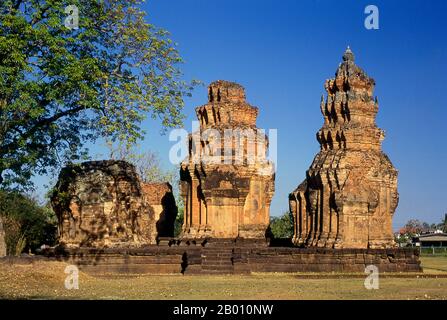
(61, 87)
(147, 163)
(27, 224)
(282, 227)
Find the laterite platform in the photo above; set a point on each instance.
(233, 257)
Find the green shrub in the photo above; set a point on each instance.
(27, 224)
(178, 223)
(20, 245)
(282, 227)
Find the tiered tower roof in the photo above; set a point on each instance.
(226, 107)
(350, 109)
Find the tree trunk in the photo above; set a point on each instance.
(2, 240)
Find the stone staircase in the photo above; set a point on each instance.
(217, 260)
(219, 256)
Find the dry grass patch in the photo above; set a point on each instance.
(45, 280)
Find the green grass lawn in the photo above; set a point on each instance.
(434, 264)
(45, 280)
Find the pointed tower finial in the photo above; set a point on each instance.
(348, 55)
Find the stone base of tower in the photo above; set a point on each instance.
(255, 232)
(336, 243)
(230, 256)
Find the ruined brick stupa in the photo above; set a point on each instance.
(106, 204)
(350, 192)
(226, 182)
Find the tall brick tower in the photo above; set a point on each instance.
(350, 192)
(226, 182)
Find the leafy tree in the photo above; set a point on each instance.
(149, 169)
(413, 227)
(61, 87)
(282, 227)
(147, 164)
(27, 224)
(179, 221)
(442, 225)
(402, 238)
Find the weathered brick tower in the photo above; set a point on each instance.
(226, 182)
(106, 204)
(350, 192)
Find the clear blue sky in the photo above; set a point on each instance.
(282, 52)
